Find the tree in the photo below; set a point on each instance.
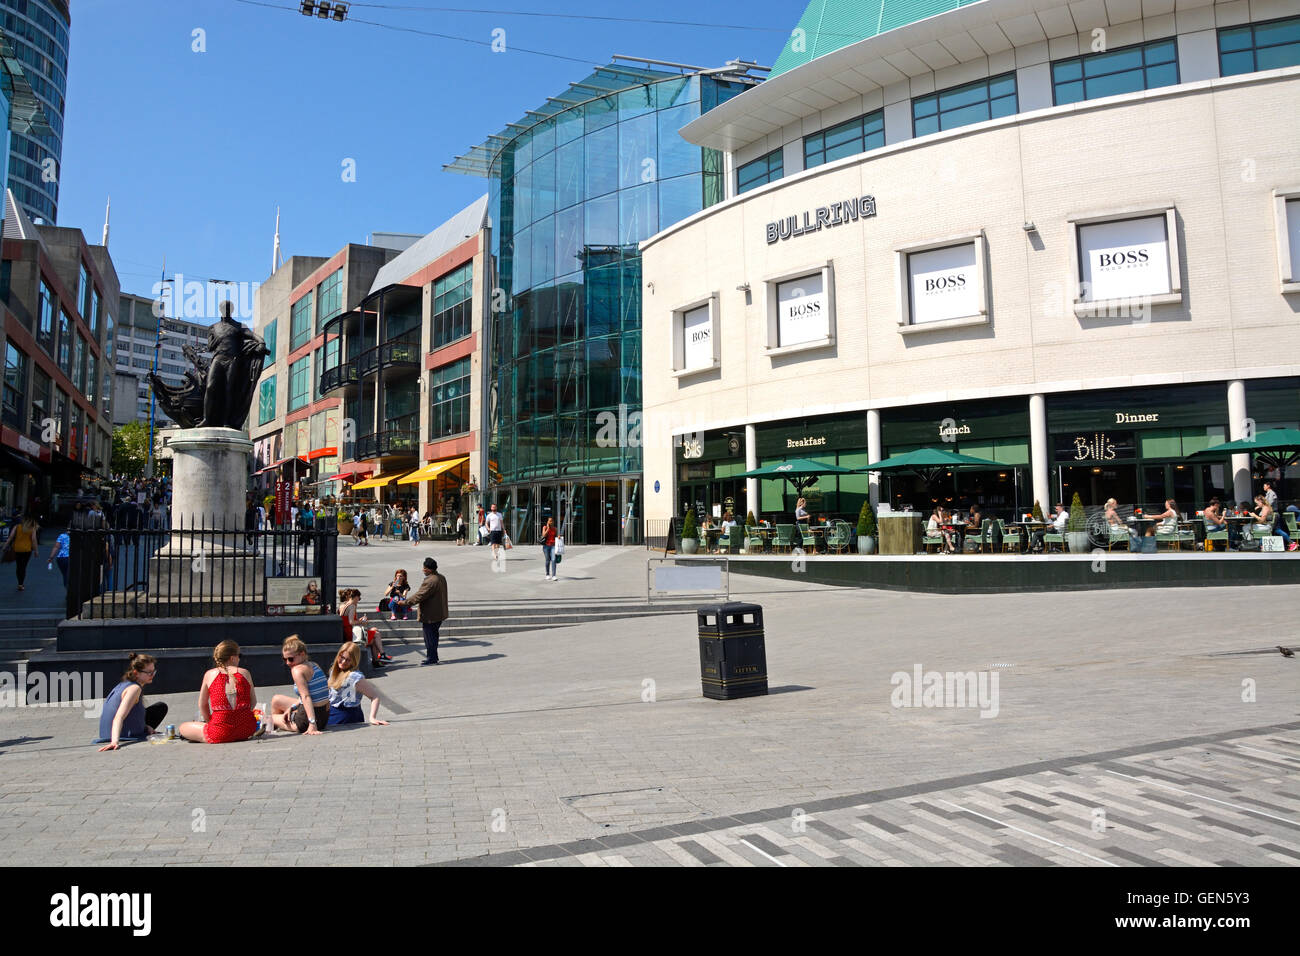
(130, 449)
(866, 521)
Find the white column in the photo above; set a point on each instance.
(1039, 462)
(1236, 431)
(751, 462)
(874, 453)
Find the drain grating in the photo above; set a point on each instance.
(634, 807)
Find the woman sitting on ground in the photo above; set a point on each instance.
(347, 686)
(307, 712)
(124, 716)
(349, 601)
(394, 599)
(225, 701)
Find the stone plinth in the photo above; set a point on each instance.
(209, 477)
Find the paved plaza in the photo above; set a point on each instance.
(1122, 728)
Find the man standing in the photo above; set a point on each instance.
(430, 603)
(1270, 496)
(496, 529)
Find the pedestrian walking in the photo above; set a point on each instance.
(460, 529)
(482, 528)
(496, 530)
(414, 520)
(549, 535)
(22, 543)
(430, 603)
(362, 519)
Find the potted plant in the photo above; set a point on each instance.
(866, 529)
(1076, 530)
(344, 522)
(1038, 512)
(690, 534)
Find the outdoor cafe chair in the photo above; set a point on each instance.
(1289, 517)
(838, 538)
(1117, 536)
(932, 539)
(784, 537)
(985, 535)
(1213, 536)
(753, 540)
(1052, 538)
(1176, 537)
(1011, 539)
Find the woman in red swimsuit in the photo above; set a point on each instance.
(225, 701)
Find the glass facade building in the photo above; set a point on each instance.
(37, 32)
(575, 187)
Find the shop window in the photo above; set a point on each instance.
(696, 345)
(15, 386)
(1125, 263)
(942, 284)
(760, 172)
(800, 310)
(1145, 66)
(1259, 46)
(1286, 205)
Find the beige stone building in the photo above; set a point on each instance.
(1063, 239)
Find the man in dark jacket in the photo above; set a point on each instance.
(430, 603)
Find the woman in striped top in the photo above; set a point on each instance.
(309, 711)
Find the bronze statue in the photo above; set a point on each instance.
(218, 391)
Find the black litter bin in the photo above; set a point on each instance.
(733, 656)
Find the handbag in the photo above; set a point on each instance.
(505, 540)
(559, 545)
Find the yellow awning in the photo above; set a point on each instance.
(377, 482)
(431, 471)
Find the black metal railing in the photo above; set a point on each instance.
(199, 571)
(338, 377)
(392, 442)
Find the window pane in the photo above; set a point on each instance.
(974, 113)
(568, 241)
(568, 125)
(636, 151)
(1232, 64)
(849, 132)
(1003, 85)
(928, 124)
(845, 149)
(963, 96)
(1114, 84)
(543, 238)
(638, 214)
(602, 221)
(1283, 31)
(524, 197)
(568, 175)
(676, 156)
(1165, 51)
(1002, 106)
(1069, 93)
(1064, 72)
(1164, 75)
(543, 170)
(602, 162)
(1274, 58)
(680, 198)
(925, 106)
(1112, 62)
(1238, 38)
(543, 139)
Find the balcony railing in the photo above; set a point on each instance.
(386, 443)
(337, 377)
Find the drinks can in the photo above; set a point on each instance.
(171, 731)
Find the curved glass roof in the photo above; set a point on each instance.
(828, 25)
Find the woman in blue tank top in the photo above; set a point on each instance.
(309, 711)
(124, 716)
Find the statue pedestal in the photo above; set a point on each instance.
(209, 477)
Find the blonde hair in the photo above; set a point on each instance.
(339, 677)
(294, 645)
(223, 652)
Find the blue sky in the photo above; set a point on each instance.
(198, 149)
